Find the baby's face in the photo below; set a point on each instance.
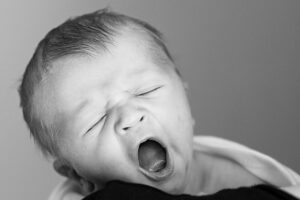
(120, 116)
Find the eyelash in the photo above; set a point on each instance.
(140, 94)
(149, 91)
(93, 126)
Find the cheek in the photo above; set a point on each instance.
(182, 118)
(106, 161)
(181, 124)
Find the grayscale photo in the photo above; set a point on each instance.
(150, 99)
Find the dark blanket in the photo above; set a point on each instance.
(117, 190)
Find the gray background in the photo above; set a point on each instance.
(241, 59)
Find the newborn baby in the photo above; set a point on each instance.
(103, 97)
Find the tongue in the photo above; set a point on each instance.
(152, 156)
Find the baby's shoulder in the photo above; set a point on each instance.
(222, 171)
(256, 163)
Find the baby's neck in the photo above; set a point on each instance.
(198, 174)
(210, 174)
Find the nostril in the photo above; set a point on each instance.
(131, 125)
(142, 118)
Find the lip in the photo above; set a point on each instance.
(163, 174)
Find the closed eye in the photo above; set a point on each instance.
(149, 91)
(94, 125)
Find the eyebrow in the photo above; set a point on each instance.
(78, 110)
(81, 106)
(142, 72)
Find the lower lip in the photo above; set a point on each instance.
(162, 175)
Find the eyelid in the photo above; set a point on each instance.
(149, 91)
(95, 124)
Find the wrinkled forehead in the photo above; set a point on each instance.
(135, 43)
(129, 52)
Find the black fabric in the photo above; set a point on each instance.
(118, 190)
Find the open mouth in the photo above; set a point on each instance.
(153, 159)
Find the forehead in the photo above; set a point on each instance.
(127, 57)
(125, 52)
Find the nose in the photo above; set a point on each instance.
(128, 119)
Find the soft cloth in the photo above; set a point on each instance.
(261, 165)
(117, 190)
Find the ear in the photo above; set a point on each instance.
(67, 171)
(185, 85)
(186, 89)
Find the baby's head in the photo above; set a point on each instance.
(102, 96)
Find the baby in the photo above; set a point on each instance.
(102, 96)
